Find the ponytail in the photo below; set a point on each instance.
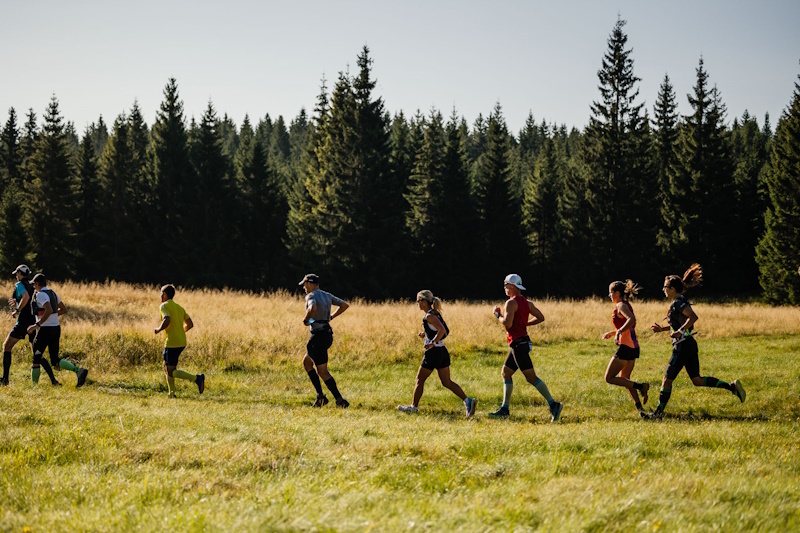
(627, 289)
(435, 303)
(691, 278)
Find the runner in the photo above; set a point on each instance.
(514, 317)
(175, 322)
(436, 354)
(624, 333)
(681, 318)
(21, 302)
(317, 318)
(47, 307)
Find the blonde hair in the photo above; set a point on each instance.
(627, 289)
(691, 278)
(428, 296)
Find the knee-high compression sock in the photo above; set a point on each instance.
(49, 370)
(663, 398)
(508, 388)
(542, 388)
(314, 377)
(180, 374)
(35, 373)
(716, 383)
(66, 365)
(6, 365)
(331, 384)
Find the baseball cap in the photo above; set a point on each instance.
(24, 269)
(515, 280)
(311, 278)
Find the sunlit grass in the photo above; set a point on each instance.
(249, 454)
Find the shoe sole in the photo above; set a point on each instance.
(472, 408)
(739, 390)
(555, 417)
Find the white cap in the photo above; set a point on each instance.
(515, 280)
(24, 269)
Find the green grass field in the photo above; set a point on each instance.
(249, 454)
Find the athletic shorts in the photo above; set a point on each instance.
(519, 354)
(48, 338)
(20, 331)
(318, 344)
(436, 358)
(626, 353)
(684, 355)
(171, 355)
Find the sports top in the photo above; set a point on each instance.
(24, 315)
(176, 337)
(40, 298)
(322, 315)
(675, 315)
(430, 331)
(628, 337)
(519, 326)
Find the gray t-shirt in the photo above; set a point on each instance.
(323, 300)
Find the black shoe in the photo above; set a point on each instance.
(341, 402)
(500, 413)
(3, 383)
(201, 382)
(320, 401)
(82, 373)
(653, 415)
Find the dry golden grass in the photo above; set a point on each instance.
(114, 321)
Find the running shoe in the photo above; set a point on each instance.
(500, 413)
(644, 391)
(320, 401)
(201, 382)
(470, 404)
(738, 390)
(407, 409)
(341, 402)
(653, 415)
(3, 382)
(555, 411)
(82, 373)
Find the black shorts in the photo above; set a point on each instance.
(519, 354)
(436, 358)
(47, 338)
(318, 344)
(20, 331)
(171, 355)
(684, 355)
(626, 353)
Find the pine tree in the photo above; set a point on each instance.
(50, 214)
(10, 157)
(90, 263)
(169, 171)
(15, 246)
(666, 125)
(100, 137)
(621, 187)
(27, 145)
(778, 252)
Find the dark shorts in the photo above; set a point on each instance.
(626, 353)
(171, 355)
(318, 344)
(47, 338)
(519, 354)
(684, 355)
(20, 331)
(436, 358)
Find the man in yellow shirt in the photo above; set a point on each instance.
(175, 322)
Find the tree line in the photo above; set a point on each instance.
(381, 206)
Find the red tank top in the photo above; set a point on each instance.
(519, 326)
(628, 337)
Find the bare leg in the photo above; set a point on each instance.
(419, 385)
(444, 376)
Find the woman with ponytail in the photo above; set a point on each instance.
(436, 354)
(624, 333)
(681, 318)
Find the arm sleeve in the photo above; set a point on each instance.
(163, 310)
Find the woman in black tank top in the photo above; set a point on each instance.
(436, 355)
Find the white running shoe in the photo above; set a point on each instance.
(407, 408)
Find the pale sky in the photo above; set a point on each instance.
(258, 57)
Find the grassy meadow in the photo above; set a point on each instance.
(250, 454)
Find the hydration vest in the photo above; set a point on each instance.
(430, 331)
(53, 303)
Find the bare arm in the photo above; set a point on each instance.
(62, 309)
(626, 311)
(434, 321)
(22, 303)
(691, 318)
(164, 325)
(537, 315)
(310, 310)
(187, 324)
(506, 316)
(48, 310)
(339, 310)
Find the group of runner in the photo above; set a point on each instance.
(37, 308)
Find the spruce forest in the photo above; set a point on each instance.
(382, 206)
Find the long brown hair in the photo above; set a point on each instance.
(691, 278)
